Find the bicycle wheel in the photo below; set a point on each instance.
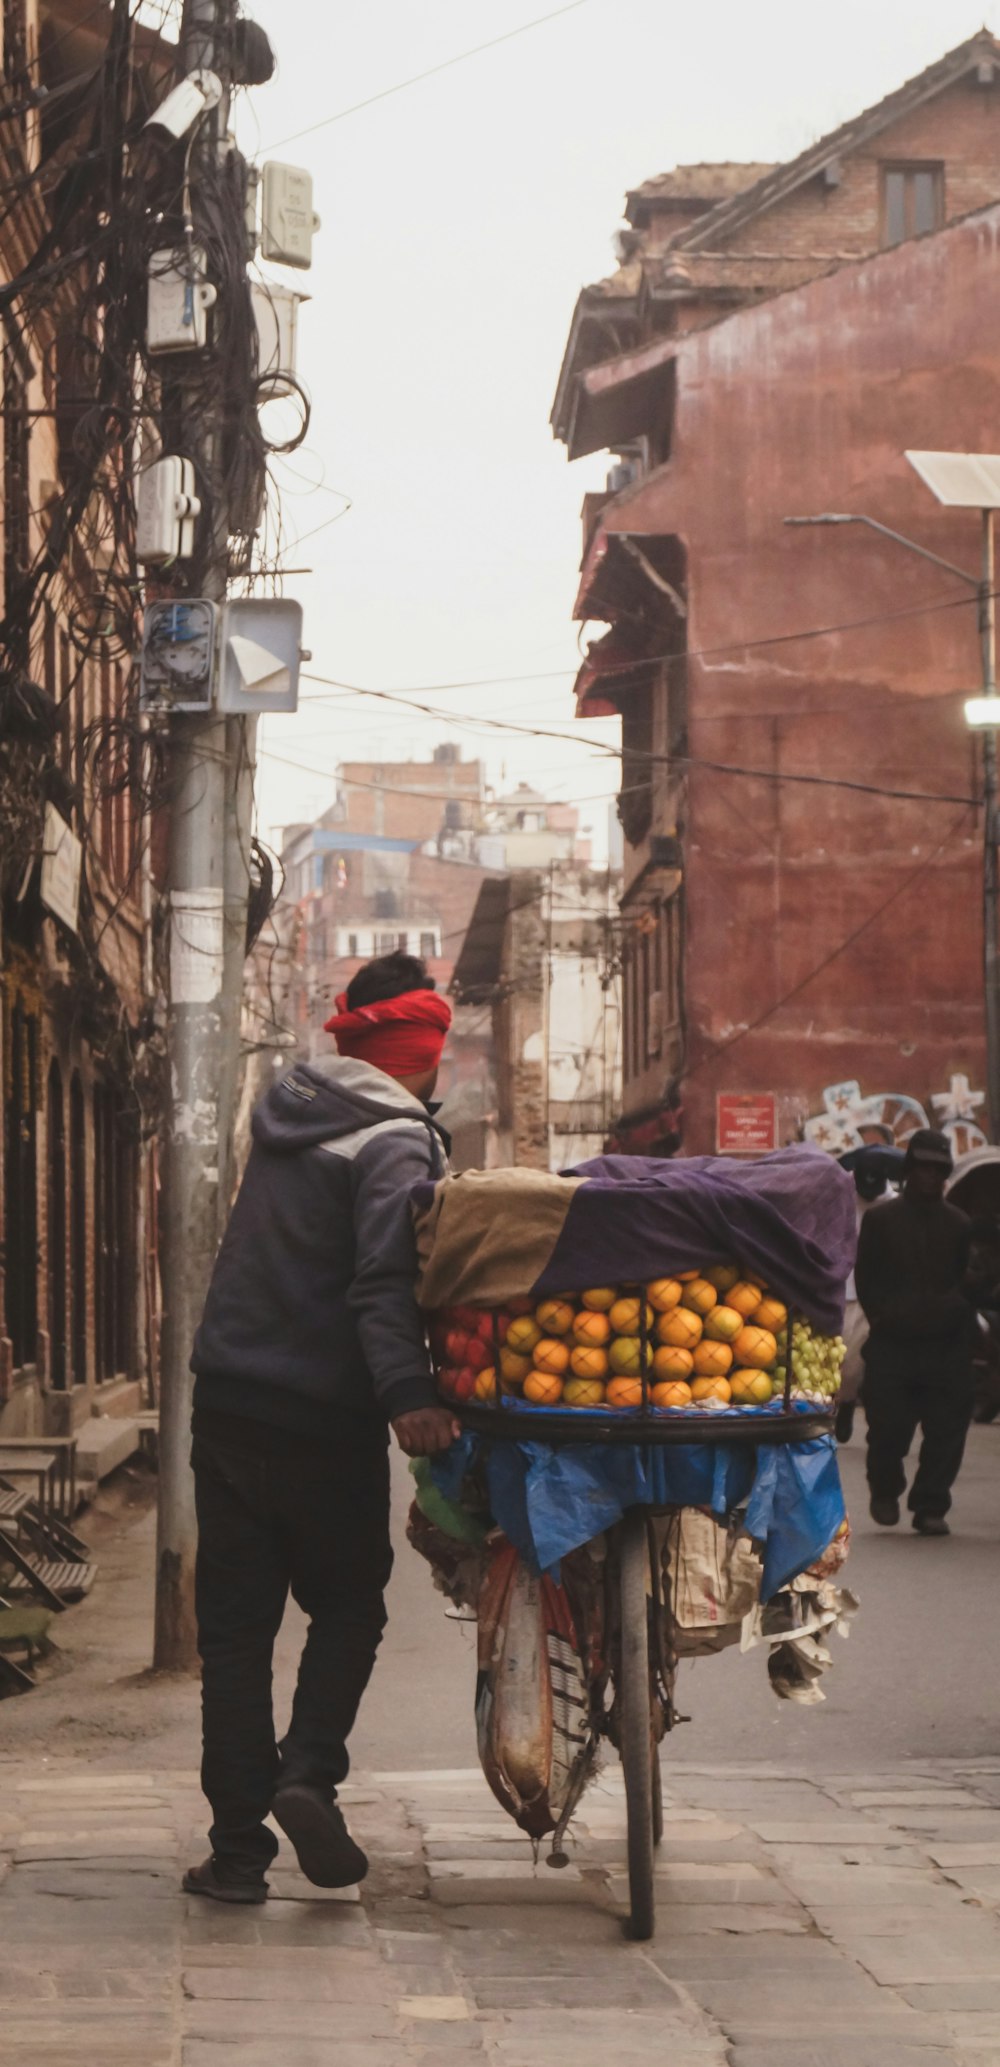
(635, 1734)
(657, 1796)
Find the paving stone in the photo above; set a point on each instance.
(559, 1891)
(839, 2052)
(575, 1991)
(968, 1951)
(311, 1980)
(982, 1854)
(501, 1870)
(240, 2051)
(835, 1829)
(918, 1798)
(932, 1996)
(281, 2021)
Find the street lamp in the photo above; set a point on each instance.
(968, 481)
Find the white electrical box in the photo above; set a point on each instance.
(166, 508)
(276, 314)
(178, 655)
(178, 298)
(287, 221)
(260, 654)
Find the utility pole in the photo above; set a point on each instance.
(991, 901)
(200, 1022)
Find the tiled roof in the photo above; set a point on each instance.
(730, 212)
(699, 182)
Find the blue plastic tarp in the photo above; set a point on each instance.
(550, 1500)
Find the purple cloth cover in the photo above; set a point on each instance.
(790, 1217)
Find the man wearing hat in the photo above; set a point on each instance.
(913, 1257)
(311, 1344)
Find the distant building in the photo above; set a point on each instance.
(541, 958)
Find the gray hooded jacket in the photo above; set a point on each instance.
(311, 1309)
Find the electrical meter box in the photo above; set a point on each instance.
(276, 314)
(165, 510)
(178, 298)
(178, 655)
(260, 652)
(287, 221)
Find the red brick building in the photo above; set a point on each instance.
(786, 931)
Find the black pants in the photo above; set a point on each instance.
(312, 1521)
(896, 1407)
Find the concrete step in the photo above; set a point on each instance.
(104, 1442)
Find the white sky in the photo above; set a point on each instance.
(460, 219)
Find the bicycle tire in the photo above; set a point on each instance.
(635, 1734)
(657, 1797)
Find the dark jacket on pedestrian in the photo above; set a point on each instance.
(910, 1273)
(311, 1310)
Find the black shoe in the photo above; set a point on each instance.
(931, 1525)
(843, 1426)
(325, 1849)
(885, 1512)
(206, 1879)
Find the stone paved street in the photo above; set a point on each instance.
(828, 1895)
(842, 1922)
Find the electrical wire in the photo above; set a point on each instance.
(431, 72)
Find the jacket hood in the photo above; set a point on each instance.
(319, 1101)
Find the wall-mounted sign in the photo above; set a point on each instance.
(746, 1123)
(61, 860)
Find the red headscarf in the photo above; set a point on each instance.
(404, 1035)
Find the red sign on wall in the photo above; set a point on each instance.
(746, 1123)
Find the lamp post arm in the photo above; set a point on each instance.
(898, 538)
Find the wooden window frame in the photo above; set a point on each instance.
(908, 168)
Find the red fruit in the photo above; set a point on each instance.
(464, 1317)
(484, 1327)
(477, 1353)
(516, 1307)
(447, 1380)
(456, 1344)
(465, 1383)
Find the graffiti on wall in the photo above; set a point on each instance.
(850, 1120)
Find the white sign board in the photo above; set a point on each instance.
(62, 856)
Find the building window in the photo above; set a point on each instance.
(429, 946)
(56, 1247)
(114, 1231)
(20, 1185)
(386, 943)
(78, 1229)
(912, 201)
(352, 945)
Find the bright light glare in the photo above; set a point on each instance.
(983, 710)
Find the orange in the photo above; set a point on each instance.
(687, 1277)
(552, 1356)
(756, 1346)
(486, 1384)
(723, 1276)
(522, 1335)
(583, 1392)
(771, 1314)
(751, 1388)
(600, 1298)
(674, 1393)
(625, 1356)
(711, 1389)
(543, 1387)
(624, 1392)
(664, 1294)
(680, 1329)
(586, 1362)
(699, 1295)
(723, 1324)
(593, 1328)
(745, 1297)
(713, 1360)
(671, 1363)
(554, 1316)
(625, 1316)
(513, 1368)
